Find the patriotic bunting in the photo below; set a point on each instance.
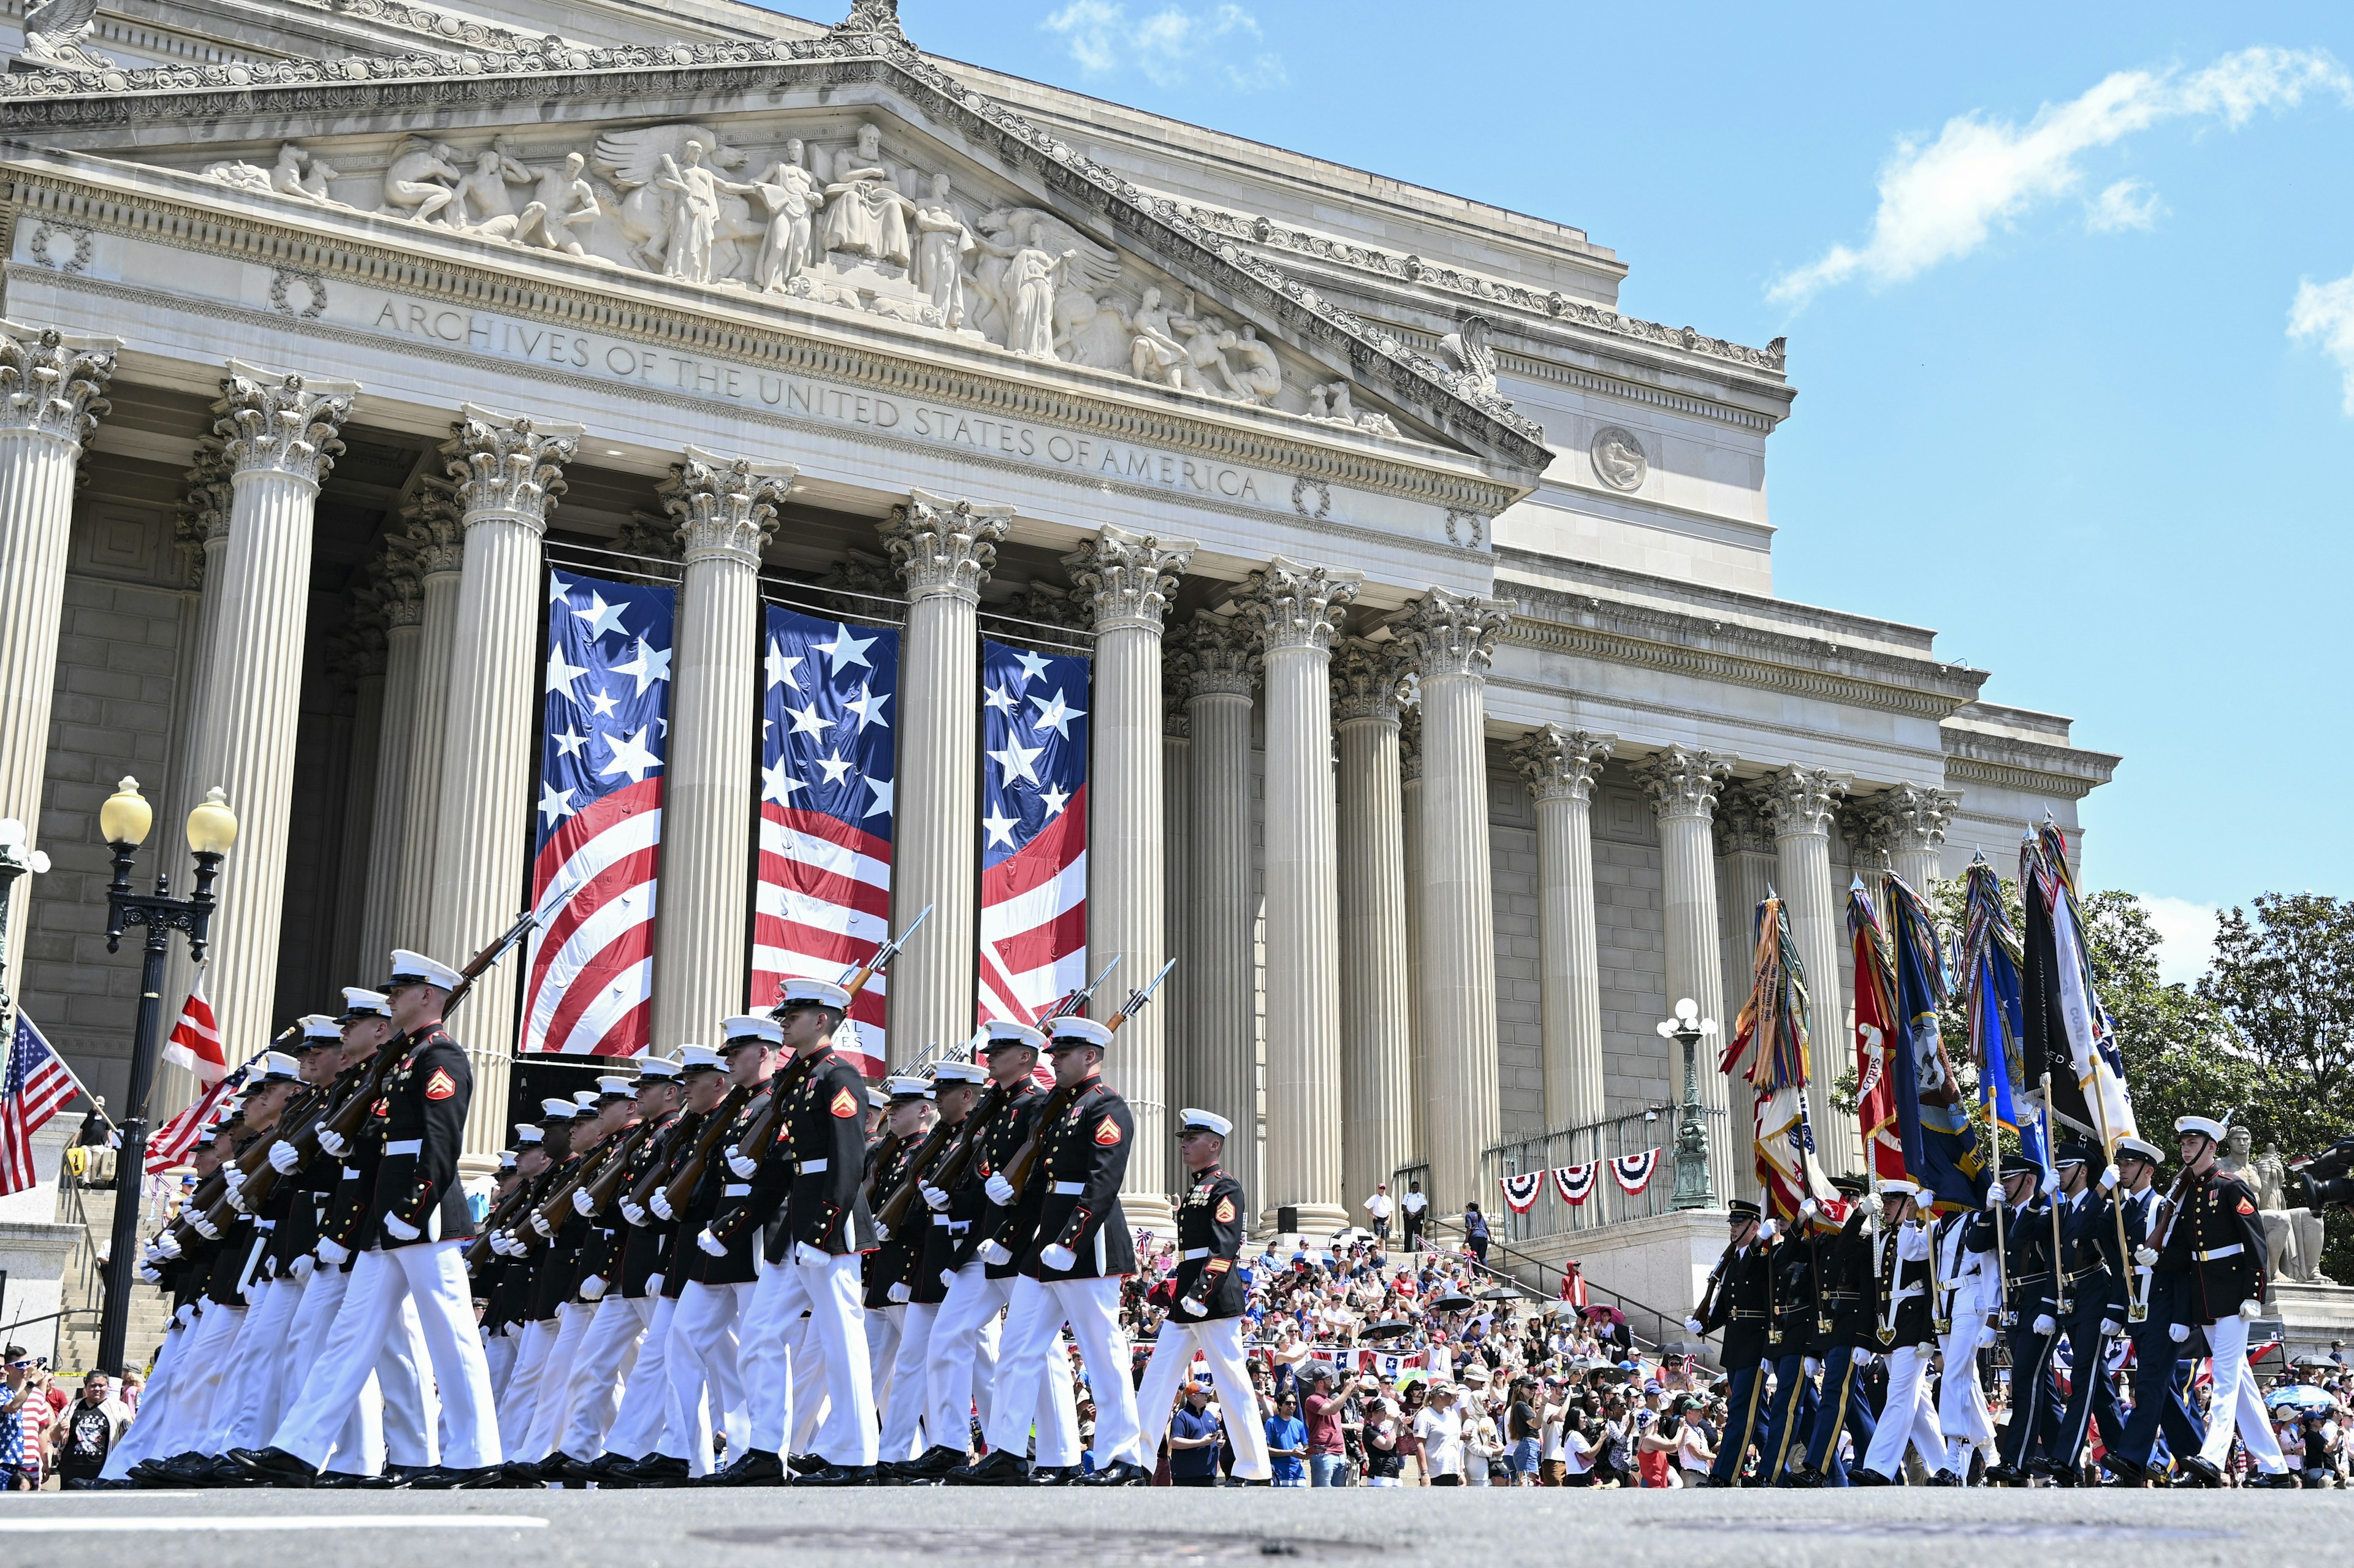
(1033, 830)
(1574, 1183)
(1521, 1191)
(1633, 1172)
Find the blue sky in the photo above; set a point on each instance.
(2070, 296)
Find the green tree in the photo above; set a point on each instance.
(2285, 979)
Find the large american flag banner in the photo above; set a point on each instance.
(36, 1086)
(823, 899)
(598, 826)
(1034, 829)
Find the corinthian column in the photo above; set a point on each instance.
(1561, 765)
(279, 439)
(1176, 999)
(509, 473)
(1907, 822)
(436, 546)
(1800, 803)
(1376, 1025)
(1683, 785)
(1126, 580)
(1451, 637)
(944, 550)
(1221, 1073)
(51, 394)
(1290, 607)
(1410, 839)
(726, 508)
(402, 595)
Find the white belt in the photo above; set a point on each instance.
(736, 1190)
(812, 1166)
(2233, 1251)
(265, 1225)
(1907, 1292)
(350, 1175)
(1195, 1255)
(942, 1220)
(405, 1146)
(1067, 1189)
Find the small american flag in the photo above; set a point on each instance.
(36, 1086)
(176, 1137)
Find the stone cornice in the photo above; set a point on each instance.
(425, 84)
(378, 252)
(2030, 767)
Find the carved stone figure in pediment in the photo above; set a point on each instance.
(1003, 234)
(1155, 353)
(484, 204)
(632, 160)
(791, 195)
(1091, 330)
(865, 215)
(57, 33)
(1260, 378)
(562, 205)
(421, 180)
(296, 174)
(942, 243)
(695, 220)
(1030, 276)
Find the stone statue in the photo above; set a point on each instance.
(1091, 330)
(482, 204)
(864, 212)
(791, 194)
(942, 242)
(561, 203)
(1467, 353)
(694, 223)
(2270, 1178)
(421, 180)
(1261, 379)
(55, 31)
(1156, 355)
(1001, 235)
(296, 174)
(2294, 1235)
(1032, 275)
(1334, 403)
(648, 210)
(2234, 1160)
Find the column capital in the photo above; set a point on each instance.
(508, 468)
(52, 384)
(943, 547)
(1410, 744)
(1126, 577)
(1288, 605)
(436, 539)
(1450, 633)
(1742, 824)
(204, 510)
(1221, 660)
(1562, 763)
(272, 423)
(726, 507)
(1906, 818)
(401, 583)
(653, 539)
(1368, 681)
(1176, 688)
(1801, 802)
(1684, 783)
(1044, 604)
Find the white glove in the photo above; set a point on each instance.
(1193, 1307)
(899, 1293)
(2252, 1310)
(1994, 1196)
(592, 1288)
(947, 1277)
(660, 1205)
(303, 1267)
(285, 1157)
(1863, 1357)
(995, 1255)
(711, 1244)
(2178, 1332)
(582, 1202)
(540, 1223)
(745, 1169)
(2146, 1255)
(1813, 1366)
(1693, 1327)
(805, 1253)
(1001, 1192)
(2111, 1327)
(2044, 1325)
(654, 1285)
(335, 1255)
(168, 1246)
(203, 1227)
(1808, 1209)
(150, 1275)
(400, 1229)
(235, 1176)
(333, 1142)
(185, 1315)
(1057, 1257)
(236, 1196)
(1986, 1336)
(2051, 1186)
(1767, 1230)
(2109, 1180)
(934, 1199)
(631, 1213)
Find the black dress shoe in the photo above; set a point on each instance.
(806, 1464)
(1119, 1473)
(657, 1470)
(839, 1475)
(190, 1469)
(276, 1467)
(1054, 1475)
(1802, 1478)
(522, 1473)
(2124, 1470)
(2201, 1470)
(999, 1468)
(2272, 1482)
(1865, 1475)
(933, 1464)
(562, 1466)
(755, 1468)
(1946, 1479)
(2005, 1475)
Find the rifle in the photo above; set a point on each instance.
(1708, 1295)
(686, 1126)
(560, 1206)
(478, 1251)
(590, 1201)
(706, 1143)
(894, 1212)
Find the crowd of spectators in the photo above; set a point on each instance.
(46, 1433)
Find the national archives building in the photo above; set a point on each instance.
(1445, 726)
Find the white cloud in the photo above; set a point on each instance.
(2187, 933)
(2324, 313)
(2128, 204)
(1940, 202)
(1170, 45)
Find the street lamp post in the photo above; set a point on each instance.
(1693, 1190)
(125, 820)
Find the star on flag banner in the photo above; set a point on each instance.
(1034, 829)
(828, 759)
(604, 739)
(34, 1087)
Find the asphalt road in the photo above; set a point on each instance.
(1402, 1528)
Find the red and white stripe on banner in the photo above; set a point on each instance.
(195, 1041)
(1521, 1191)
(589, 984)
(1574, 1183)
(1033, 830)
(823, 903)
(1633, 1171)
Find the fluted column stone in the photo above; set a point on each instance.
(402, 595)
(1176, 1001)
(1907, 822)
(1221, 1072)
(1290, 607)
(508, 471)
(52, 393)
(1376, 1025)
(1801, 803)
(725, 511)
(1410, 855)
(363, 663)
(436, 540)
(279, 439)
(1126, 580)
(944, 550)
(1684, 784)
(1561, 765)
(1450, 639)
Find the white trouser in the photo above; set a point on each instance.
(904, 1413)
(144, 1439)
(209, 1356)
(809, 1400)
(609, 1351)
(432, 1274)
(1910, 1416)
(411, 1407)
(829, 1293)
(961, 1378)
(1962, 1414)
(1034, 1316)
(499, 1349)
(245, 1412)
(556, 1383)
(1221, 1341)
(702, 1349)
(520, 1403)
(649, 1404)
(2235, 1401)
(359, 1447)
(883, 1326)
